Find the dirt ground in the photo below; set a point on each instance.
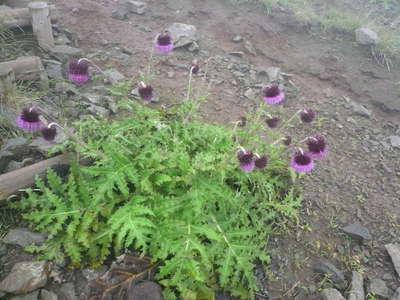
(328, 72)
(358, 182)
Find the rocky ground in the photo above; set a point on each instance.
(346, 242)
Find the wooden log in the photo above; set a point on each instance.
(7, 85)
(41, 24)
(19, 17)
(27, 68)
(17, 3)
(12, 182)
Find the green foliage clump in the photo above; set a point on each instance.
(171, 189)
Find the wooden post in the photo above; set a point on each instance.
(18, 17)
(41, 24)
(7, 84)
(27, 68)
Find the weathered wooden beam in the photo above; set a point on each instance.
(12, 182)
(27, 68)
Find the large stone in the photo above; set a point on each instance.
(99, 111)
(395, 141)
(136, 7)
(331, 294)
(366, 36)
(114, 75)
(273, 73)
(53, 68)
(146, 290)
(31, 296)
(26, 277)
(67, 292)
(183, 34)
(357, 287)
(394, 252)
(47, 295)
(120, 14)
(357, 231)
(23, 237)
(396, 295)
(359, 109)
(329, 270)
(65, 53)
(379, 288)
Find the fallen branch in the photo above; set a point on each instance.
(12, 182)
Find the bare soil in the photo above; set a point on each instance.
(359, 181)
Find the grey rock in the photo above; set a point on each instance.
(12, 144)
(53, 69)
(396, 295)
(65, 88)
(183, 34)
(32, 296)
(93, 274)
(194, 47)
(330, 270)
(23, 237)
(360, 110)
(237, 39)
(395, 141)
(65, 53)
(120, 14)
(3, 249)
(357, 287)
(62, 40)
(136, 7)
(357, 231)
(4, 7)
(47, 295)
(250, 94)
(366, 36)
(67, 292)
(2, 295)
(237, 53)
(26, 277)
(114, 75)
(44, 146)
(171, 74)
(379, 288)
(92, 98)
(146, 290)
(331, 294)
(273, 73)
(249, 47)
(394, 252)
(99, 111)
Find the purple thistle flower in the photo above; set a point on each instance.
(78, 71)
(29, 120)
(164, 43)
(272, 94)
(287, 140)
(317, 146)
(307, 115)
(49, 133)
(145, 92)
(272, 122)
(261, 162)
(301, 162)
(246, 160)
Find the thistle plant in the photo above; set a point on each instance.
(201, 200)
